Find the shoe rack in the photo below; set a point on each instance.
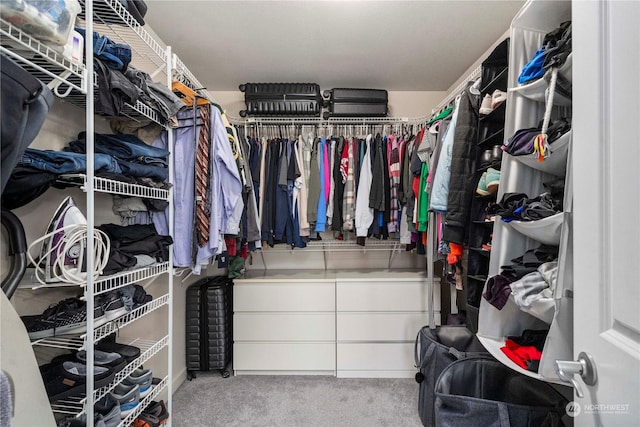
(525, 107)
(74, 83)
(495, 71)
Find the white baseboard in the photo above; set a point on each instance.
(178, 379)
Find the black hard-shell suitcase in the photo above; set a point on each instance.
(344, 102)
(209, 336)
(281, 99)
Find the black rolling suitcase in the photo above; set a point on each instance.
(209, 337)
(356, 103)
(281, 99)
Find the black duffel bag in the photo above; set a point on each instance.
(435, 349)
(484, 392)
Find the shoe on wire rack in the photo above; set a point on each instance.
(112, 360)
(68, 316)
(128, 398)
(68, 379)
(143, 378)
(129, 352)
(154, 415)
(109, 409)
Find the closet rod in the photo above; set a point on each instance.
(327, 122)
(451, 96)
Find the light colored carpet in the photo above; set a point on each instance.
(295, 401)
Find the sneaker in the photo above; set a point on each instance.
(68, 316)
(492, 180)
(109, 409)
(68, 379)
(128, 398)
(112, 304)
(497, 98)
(106, 359)
(129, 352)
(482, 185)
(143, 378)
(486, 108)
(154, 415)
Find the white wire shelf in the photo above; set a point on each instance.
(113, 20)
(318, 121)
(341, 246)
(148, 349)
(138, 112)
(157, 389)
(129, 318)
(71, 406)
(102, 284)
(41, 60)
(67, 342)
(105, 185)
(185, 76)
(119, 280)
(78, 342)
(76, 405)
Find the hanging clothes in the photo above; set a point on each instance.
(394, 181)
(225, 189)
(349, 199)
(440, 193)
(364, 214)
(462, 186)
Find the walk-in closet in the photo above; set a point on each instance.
(319, 213)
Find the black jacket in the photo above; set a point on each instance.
(461, 183)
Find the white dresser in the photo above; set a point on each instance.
(344, 323)
(378, 315)
(284, 322)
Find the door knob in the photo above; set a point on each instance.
(585, 366)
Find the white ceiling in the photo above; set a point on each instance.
(393, 45)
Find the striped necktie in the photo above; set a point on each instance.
(202, 177)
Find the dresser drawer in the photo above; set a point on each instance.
(284, 356)
(379, 326)
(304, 296)
(284, 327)
(401, 296)
(375, 357)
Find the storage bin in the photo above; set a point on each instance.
(546, 230)
(484, 392)
(47, 21)
(556, 161)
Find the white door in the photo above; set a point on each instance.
(606, 179)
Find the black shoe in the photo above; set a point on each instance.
(129, 352)
(68, 316)
(154, 415)
(68, 379)
(105, 359)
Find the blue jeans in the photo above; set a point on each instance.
(124, 147)
(60, 162)
(113, 55)
(143, 170)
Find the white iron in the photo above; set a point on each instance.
(64, 224)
